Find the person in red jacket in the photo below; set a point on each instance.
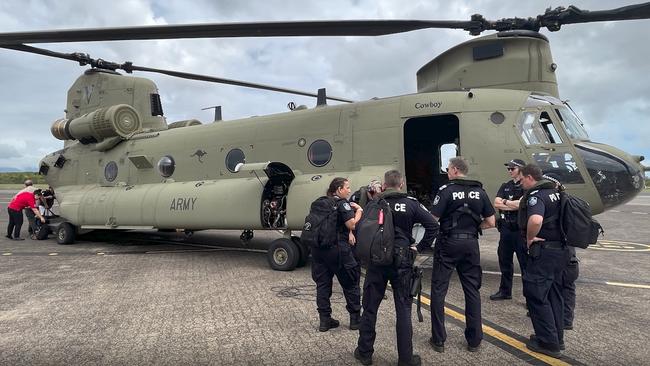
(23, 199)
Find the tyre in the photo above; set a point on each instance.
(304, 251)
(283, 255)
(41, 231)
(66, 233)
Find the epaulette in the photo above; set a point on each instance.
(533, 192)
(412, 198)
(443, 187)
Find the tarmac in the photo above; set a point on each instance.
(147, 298)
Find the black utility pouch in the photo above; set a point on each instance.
(535, 250)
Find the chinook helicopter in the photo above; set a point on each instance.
(490, 99)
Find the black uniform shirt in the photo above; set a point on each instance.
(407, 211)
(345, 213)
(511, 191)
(545, 202)
(455, 194)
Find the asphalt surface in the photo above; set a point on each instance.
(138, 299)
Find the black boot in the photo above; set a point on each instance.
(327, 323)
(415, 361)
(355, 321)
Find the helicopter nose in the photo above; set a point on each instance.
(618, 177)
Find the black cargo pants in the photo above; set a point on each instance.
(511, 242)
(462, 255)
(336, 261)
(374, 288)
(543, 291)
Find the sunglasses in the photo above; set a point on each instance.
(511, 169)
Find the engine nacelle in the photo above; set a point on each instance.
(118, 120)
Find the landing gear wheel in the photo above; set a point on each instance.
(66, 233)
(283, 255)
(304, 251)
(41, 231)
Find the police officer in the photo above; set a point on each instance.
(571, 272)
(548, 257)
(406, 211)
(463, 209)
(510, 241)
(338, 260)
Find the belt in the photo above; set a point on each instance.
(552, 244)
(460, 236)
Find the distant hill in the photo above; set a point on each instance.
(4, 169)
(20, 177)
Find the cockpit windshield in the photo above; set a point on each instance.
(572, 124)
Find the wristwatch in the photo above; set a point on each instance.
(504, 201)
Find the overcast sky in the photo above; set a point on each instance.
(603, 67)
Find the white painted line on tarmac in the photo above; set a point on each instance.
(640, 213)
(7, 254)
(588, 280)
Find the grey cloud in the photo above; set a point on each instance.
(8, 152)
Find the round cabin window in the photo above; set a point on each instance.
(166, 166)
(319, 153)
(234, 157)
(110, 171)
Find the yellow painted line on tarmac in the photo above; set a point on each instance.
(100, 253)
(633, 285)
(7, 254)
(501, 336)
(53, 254)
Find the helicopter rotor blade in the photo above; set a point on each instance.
(85, 59)
(551, 19)
(224, 30)
(554, 19)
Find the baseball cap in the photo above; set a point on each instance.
(552, 177)
(515, 163)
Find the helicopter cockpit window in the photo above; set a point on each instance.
(530, 129)
(538, 129)
(562, 164)
(234, 157)
(572, 124)
(447, 151)
(319, 153)
(166, 166)
(110, 171)
(549, 129)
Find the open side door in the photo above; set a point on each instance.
(273, 214)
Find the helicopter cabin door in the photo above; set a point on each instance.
(429, 143)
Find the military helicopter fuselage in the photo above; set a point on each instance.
(491, 99)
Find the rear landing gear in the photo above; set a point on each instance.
(66, 233)
(283, 254)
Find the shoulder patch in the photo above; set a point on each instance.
(347, 207)
(533, 192)
(443, 187)
(436, 200)
(532, 201)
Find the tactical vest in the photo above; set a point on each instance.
(552, 222)
(449, 222)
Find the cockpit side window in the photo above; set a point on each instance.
(537, 129)
(530, 129)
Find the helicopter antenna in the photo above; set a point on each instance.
(84, 59)
(217, 112)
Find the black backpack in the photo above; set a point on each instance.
(578, 228)
(320, 229)
(375, 234)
